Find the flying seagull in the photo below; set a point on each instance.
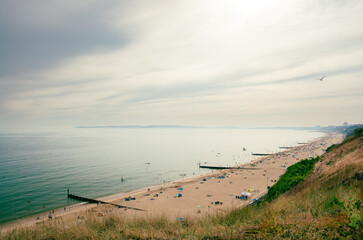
(321, 79)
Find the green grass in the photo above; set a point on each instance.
(330, 148)
(293, 176)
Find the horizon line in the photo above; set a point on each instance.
(212, 127)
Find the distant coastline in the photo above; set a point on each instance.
(308, 128)
(196, 127)
(142, 126)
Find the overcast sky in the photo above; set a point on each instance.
(208, 63)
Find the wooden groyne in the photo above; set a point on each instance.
(285, 147)
(90, 200)
(261, 154)
(217, 167)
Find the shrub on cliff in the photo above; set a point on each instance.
(293, 176)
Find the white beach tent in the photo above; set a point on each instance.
(245, 194)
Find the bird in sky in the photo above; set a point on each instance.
(321, 79)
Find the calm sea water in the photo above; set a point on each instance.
(37, 166)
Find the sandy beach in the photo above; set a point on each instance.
(197, 196)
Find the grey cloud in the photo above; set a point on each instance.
(288, 54)
(214, 86)
(27, 45)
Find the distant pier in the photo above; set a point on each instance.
(90, 200)
(218, 167)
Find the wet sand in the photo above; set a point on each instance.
(202, 195)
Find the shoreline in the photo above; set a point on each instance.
(167, 203)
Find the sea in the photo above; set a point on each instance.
(37, 166)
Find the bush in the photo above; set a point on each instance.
(293, 176)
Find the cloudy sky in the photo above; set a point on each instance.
(200, 62)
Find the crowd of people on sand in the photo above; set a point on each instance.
(50, 214)
(281, 158)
